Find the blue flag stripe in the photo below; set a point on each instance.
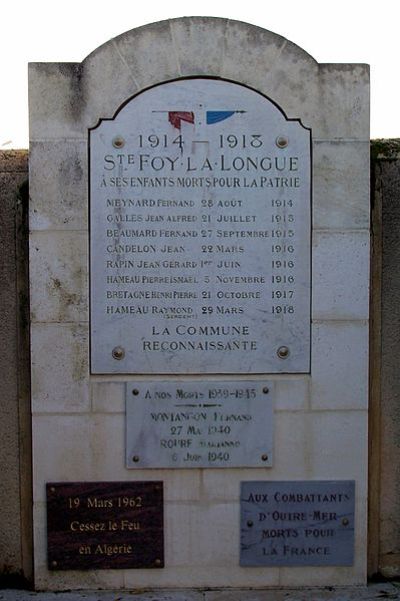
(217, 116)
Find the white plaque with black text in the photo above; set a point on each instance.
(200, 234)
(182, 424)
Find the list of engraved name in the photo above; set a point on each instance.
(191, 259)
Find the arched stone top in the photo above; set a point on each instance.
(79, 94)
(204, 46)
(191, 30)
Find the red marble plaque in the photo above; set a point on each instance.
(105, 525)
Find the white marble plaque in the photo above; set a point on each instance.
(200, 234)
(174, 424)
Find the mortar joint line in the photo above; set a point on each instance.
(125, 63)
(176, 50)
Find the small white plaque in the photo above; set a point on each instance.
(200, 234)
(173, 424)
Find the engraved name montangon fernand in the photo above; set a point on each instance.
(196, 423)
(200, 233)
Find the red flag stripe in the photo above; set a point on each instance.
(176, 117)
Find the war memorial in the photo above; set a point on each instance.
(199, 306)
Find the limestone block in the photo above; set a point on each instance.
(55, 101)
(335, 450)
(292, 393)
(291, 447)
(108, 397)
(70, 458)
(60, 368)
(348, 117)
(340, 275)
(59, 276)
(192, 540)
(339, 351)
(340, 188)
(59, 197)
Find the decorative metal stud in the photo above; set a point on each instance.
(283, 352)
(249, 523)
(135, 458)
(135, 392)
(345, 522)
(118, 142)
(264, 457)
(265, 390)
(281, 141)
(118, 353)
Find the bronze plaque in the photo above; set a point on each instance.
(105, 525)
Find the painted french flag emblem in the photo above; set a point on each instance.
(176, 117)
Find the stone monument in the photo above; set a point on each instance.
(199, 293)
